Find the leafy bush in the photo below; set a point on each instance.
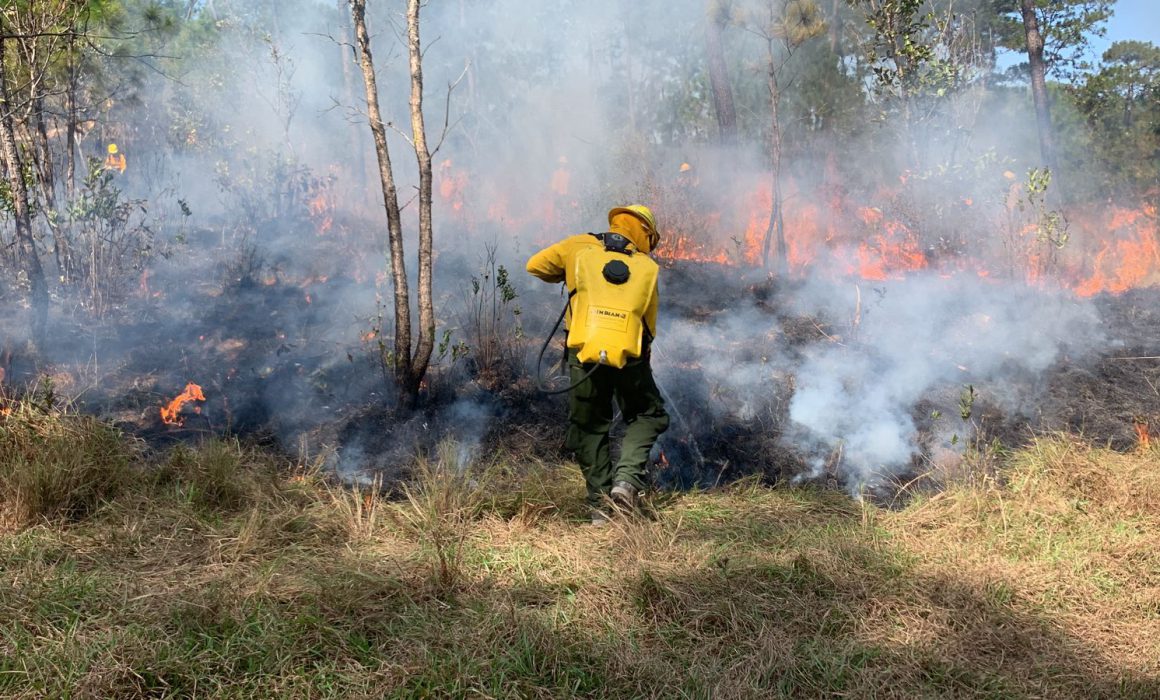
(103, 242)
(491, 322)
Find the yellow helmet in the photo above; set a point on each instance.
(685, 167)
(112, 149)
(643, 213)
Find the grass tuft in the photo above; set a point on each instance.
(442, 499)
(219, 474)
(56, 464)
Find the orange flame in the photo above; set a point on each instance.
(321, 208)
(452, 185)
(890, 254)
(827, 231)
(1129, 262)
(1142, 434)
(685, 248)
(169, 414)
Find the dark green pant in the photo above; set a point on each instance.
(590, 419)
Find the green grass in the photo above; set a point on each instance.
(218, 571)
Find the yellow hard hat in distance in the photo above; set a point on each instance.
(112, 148)
(643, 213)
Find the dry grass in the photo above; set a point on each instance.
(1072, 534)
(484, 581)
(55, 463)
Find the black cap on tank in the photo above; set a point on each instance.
(616, 272)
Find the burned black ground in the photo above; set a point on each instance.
(279, 356)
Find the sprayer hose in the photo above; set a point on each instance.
(544, 348)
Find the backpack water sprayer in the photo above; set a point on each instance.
(614, 289)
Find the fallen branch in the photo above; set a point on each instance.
(826, 335)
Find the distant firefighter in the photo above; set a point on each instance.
(561, 177)
(115, 160)
(687, 179)
(687, 206)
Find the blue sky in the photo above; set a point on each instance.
(1133, 19)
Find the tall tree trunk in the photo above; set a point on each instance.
(834, 30)
(70, 160)
(25, 242)
(1128, 104)
(776, 226)
(42, 155)
(719, 73)
(628, 35)
(402, 345)
(62, 236)
(1038, 82)
(426, 341)
(47, 172)
(629, 80)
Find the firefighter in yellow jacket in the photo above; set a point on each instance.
(612, 287)
(115, 160)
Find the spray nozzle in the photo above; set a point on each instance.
(603, 357)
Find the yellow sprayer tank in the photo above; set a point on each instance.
(606, 315)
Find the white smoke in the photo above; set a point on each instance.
(855, 396)
(841, 370)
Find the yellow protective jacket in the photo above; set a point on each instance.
(557, 263)
(115, 161)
